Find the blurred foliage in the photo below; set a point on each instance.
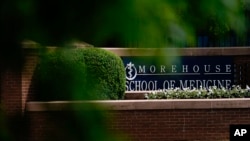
(79, 74)
(4, 131)
(131, 23)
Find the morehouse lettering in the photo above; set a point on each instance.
(154, 77)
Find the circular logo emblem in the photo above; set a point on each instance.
(131, 71)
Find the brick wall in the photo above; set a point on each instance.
(179, 125)
(11, 107)
(147, 125)
(31, 59)
(15, 88)
(16, 83)
(11, 91)
(143, 120)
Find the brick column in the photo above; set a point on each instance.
(30, 55)
(11, 91)
(16, 81)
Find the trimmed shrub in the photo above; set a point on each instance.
(58, 74)
(105, 73)
(79, 74)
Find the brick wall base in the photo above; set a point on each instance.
(179, 125)
(158, 121)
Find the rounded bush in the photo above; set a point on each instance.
(58, 74)
(79, 74)
(105, 73)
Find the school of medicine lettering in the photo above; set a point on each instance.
(133, 83)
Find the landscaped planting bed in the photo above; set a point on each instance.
(201, 93)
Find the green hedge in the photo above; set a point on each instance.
(105, 73)
(79, 74)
